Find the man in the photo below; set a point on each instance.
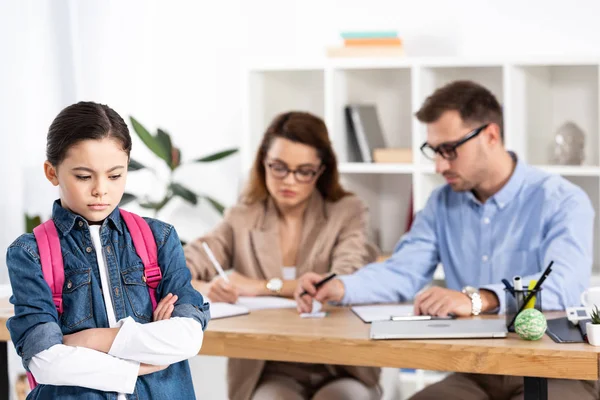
(496, 218)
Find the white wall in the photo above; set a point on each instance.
(178, 65)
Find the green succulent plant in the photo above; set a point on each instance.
(595, 315)
(162, 146)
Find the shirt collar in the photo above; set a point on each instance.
(510, 189)
(65, 219)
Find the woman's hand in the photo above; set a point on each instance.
(218, 291)
(248, 286)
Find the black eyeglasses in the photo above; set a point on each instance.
(302, 174)
(448, 150)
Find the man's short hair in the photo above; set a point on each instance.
(473, 102)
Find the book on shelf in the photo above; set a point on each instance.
(364, 130)
(373, 42)
(369, 34)
(393, 155)
(365, 51)
(368, 44)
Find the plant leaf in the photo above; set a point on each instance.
(164, 140)
(185, 193)
(135, 165)
(31, 222)
(217, 156)
(150, 205)
(127, 198)
(216, 205)
(149, 140)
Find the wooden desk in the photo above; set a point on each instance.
(342, 338)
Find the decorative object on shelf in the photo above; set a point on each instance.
(569, 145)
(530, 324)
(592, 328)
(161, 145)
(368, 44)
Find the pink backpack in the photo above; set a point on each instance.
(51, 259)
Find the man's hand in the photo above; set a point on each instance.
(440, 302)
(165, 307)
(331, 291)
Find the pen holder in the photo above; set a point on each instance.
(513, 304)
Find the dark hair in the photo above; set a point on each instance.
(299, 127)
(473, 102)
(82, 121)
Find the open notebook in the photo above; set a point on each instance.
(245, 304)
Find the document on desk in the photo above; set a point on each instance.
(245, 305)
(382, 312)
(224, 310)
(265, 302)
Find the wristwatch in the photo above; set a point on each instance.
(476, 303)
(275, 285)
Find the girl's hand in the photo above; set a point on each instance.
(165, 307)
(146, 369)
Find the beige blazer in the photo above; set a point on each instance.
(334, 238)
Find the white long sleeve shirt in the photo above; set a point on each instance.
(159, 343)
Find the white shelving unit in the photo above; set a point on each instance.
(538, 95)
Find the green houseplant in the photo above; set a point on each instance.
(162, 146)
(592, 328)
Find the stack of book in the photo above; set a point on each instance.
(368, 44)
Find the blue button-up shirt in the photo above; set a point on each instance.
(37, 326)
(535, 218)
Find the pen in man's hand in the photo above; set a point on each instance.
(320, 283)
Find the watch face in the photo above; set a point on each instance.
(275, 284)
(469, 290)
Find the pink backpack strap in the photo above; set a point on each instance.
(53, 269)
(51, 259)
(145, 247)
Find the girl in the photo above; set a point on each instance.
(294, 217)
(107, 343)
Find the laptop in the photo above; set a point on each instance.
(439, 329)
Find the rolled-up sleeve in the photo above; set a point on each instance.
(34, 327)
(177, 280)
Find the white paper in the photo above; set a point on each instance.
(265, 302)
(224, 310)
(321, 314)
(382, 312)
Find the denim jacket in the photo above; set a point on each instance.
(36, 325)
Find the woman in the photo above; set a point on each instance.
(294, 217)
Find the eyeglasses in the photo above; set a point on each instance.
(302, 175)
(448, 150)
